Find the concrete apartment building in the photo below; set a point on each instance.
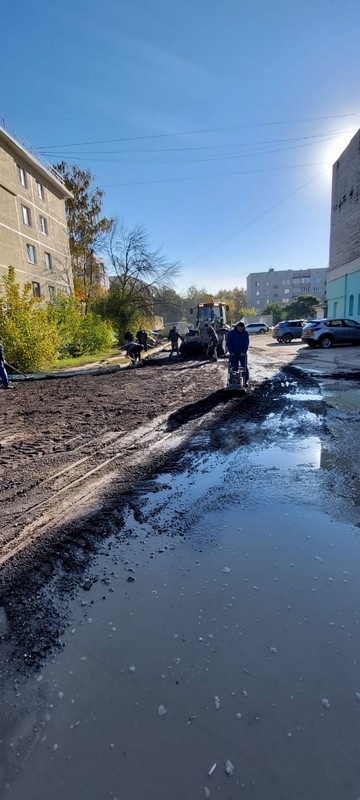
(33, 231)
(283, 286)
(343, 279)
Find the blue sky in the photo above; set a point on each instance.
(213, 123)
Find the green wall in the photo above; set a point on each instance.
(339, 293)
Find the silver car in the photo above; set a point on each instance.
(329, 331)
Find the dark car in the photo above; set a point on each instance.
(329, 331)
(288, 330)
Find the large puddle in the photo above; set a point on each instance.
(222, 661)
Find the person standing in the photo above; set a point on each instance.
(3, 374)
(213, 342)
(142, 338)
(173, 338)
(238, 344)
(128, 336)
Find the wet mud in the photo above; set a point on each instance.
(204, 613)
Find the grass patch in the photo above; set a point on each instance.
(70, 362)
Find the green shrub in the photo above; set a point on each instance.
(30, 338)
(95, 333)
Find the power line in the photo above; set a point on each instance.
(194, 132)
(255, 219)
(213, 175)
(332, 134)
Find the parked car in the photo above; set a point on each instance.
(329, 331)
(288, 330)
(257, 327)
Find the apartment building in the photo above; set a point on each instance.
(283, 286)
(343, 277)
(33, 231)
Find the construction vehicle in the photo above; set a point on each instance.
(196, 341)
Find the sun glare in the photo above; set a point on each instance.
(334, 149)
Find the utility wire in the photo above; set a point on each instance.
(194, 132)
(213, 175)
(255, 219)
(332, 133)
(187, 160)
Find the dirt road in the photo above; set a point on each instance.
(173, 562)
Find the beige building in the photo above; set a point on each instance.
(33, 231)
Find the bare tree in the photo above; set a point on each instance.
(138, 274)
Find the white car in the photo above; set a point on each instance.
(257, 327)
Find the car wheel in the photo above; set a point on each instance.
(279, 340)
(261, 331)
(325, 342)
(287, 338)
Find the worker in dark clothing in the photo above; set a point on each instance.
(238, 344)
(128, 336)
(134, 352)
(3, 374)
(142, 338)
(173, 338)
(213, 342)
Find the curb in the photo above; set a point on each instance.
(71, 373)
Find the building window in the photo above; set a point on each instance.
(36, 289)
(44, 225)
(31, 252)
(39, 190)
(275, 286)
(48, 263)
(26, 215)
(286, 291)
(21, 175)
(52, 292)
(351, 305)
(257, 293)
(335, 309)
(257, 283)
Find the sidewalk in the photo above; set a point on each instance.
(96, 368)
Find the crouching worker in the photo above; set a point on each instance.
(134, 352)
(238, 344)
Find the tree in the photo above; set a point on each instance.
(86, 228)
(31, 339)
(169, 305)
(303, 307)
(139, 274)
(276, 310)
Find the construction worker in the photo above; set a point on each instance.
(142, 338)
(238, 344)
(173, 338)
(213, 342)
(3, 374)
(128, 336)
(134, 352)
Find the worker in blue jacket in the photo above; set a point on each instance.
(237, 343)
